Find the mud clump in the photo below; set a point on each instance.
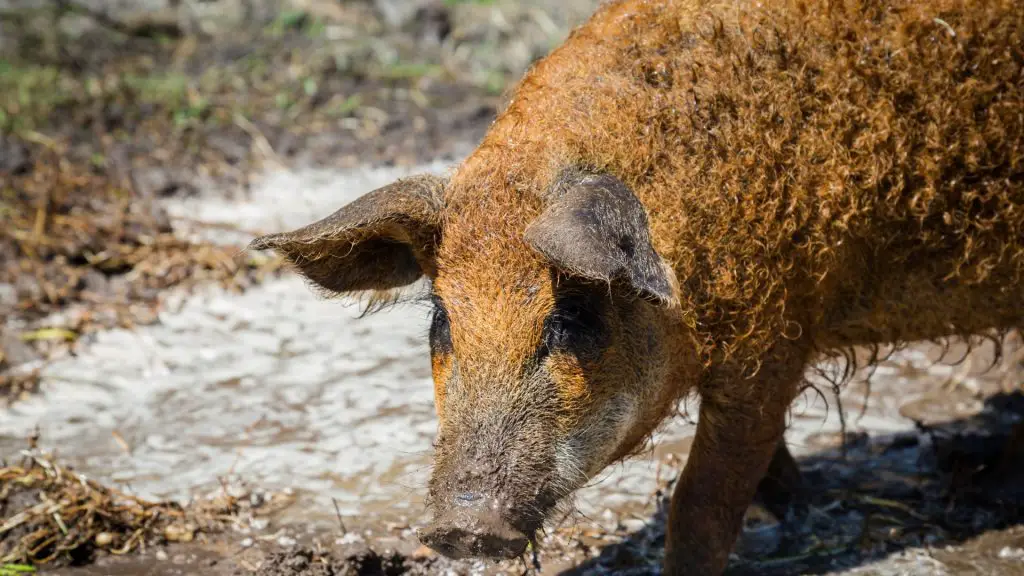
(306, 562)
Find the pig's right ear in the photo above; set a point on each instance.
(595, 228)
(383, 240)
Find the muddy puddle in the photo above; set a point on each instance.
(291, 392)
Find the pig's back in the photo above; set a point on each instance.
(793, 161)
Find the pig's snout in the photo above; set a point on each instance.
(474, 527)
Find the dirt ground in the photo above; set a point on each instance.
(939, 497)
(942, 500)
(109, 108)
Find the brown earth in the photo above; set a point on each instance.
(54, 516)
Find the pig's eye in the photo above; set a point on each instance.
(576, 327)
(440, 329)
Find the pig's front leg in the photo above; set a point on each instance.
(740, 428)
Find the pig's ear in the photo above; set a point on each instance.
(383, 240)
(595, 227)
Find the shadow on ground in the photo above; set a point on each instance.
(919, 503)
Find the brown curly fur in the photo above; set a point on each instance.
(819, 176)
(850, 171)
(834, 175)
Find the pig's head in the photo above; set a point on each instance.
(551, 338)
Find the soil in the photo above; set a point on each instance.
(945, 499)
(53, 515)
(886, 496)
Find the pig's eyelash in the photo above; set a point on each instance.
(439, 334)
(431, 304)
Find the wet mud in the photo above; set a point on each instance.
(306, 562)
(296, 394)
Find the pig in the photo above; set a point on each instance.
(693, 199)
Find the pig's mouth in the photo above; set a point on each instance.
(483, 528)
(497, 542)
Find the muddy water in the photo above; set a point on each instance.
(289, 391)
(276, 385)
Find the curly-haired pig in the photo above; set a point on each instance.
(694, 198)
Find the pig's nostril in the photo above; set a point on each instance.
(467, 498)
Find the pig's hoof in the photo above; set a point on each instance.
(762, 533)
(782, 488)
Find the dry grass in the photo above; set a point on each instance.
(53, 515)
(75, 235)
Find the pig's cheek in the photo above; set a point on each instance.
(569, 378)
(570, 381)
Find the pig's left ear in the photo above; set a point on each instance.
(383, 240)
(596, 228)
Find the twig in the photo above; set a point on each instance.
(100, 17)
(258, 139)
(945, 25)
(145, 31)
(337, 511)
